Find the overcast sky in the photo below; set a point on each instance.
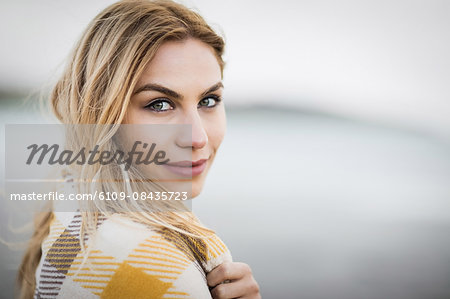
(386, 61)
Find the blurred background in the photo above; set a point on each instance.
(334, 178)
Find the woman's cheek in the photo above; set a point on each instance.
(217, 129)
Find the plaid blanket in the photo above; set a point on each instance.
(126, 260)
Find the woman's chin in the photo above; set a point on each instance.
(197, 188)
(198, 182)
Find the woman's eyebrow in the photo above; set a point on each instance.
(172, 93)
(159, 88)
(212, 89)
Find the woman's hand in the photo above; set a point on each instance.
(233, 280)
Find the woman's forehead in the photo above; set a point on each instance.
(175, 57)
(181, 64)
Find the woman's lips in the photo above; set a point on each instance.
(187, 168)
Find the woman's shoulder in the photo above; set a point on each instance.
(122, 236)
(118, 234)
(125, 257)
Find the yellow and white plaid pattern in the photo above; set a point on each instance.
(126, 260)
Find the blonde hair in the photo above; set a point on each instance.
(96, 87)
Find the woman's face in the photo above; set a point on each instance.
(182, 85)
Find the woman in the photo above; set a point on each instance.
(138, 63)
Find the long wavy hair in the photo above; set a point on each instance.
(96, 87)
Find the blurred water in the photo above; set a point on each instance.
(319, 206)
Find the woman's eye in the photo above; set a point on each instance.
(159, 106)
(208, 102)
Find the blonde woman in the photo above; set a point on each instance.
(138, 63)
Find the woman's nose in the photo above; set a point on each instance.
(198, 137)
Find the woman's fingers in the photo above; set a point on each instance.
(233, 280)
(243, 288)
(227, 271)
